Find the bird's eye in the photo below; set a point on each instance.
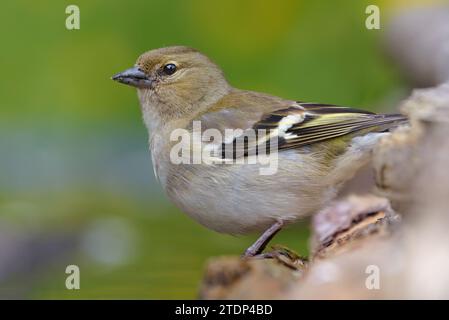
(169, 68)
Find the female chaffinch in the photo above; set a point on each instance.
(317, 147)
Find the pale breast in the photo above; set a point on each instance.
(237, 199)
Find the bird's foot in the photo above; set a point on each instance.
(257, 247)
(284, 255)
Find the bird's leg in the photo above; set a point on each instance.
(260, 244)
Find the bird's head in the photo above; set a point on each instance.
(175, 80)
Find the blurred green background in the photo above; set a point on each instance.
(76, 183)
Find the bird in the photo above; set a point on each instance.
(317, 147)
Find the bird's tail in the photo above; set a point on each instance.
(387, 122)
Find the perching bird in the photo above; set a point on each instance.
(317, 146)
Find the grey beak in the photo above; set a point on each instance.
(134, 77)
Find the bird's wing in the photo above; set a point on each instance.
(312, 123)
(291, 125)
